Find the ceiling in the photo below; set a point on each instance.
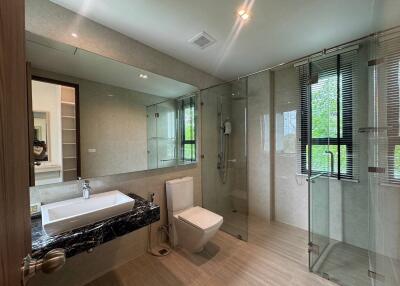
(57, 57)
(277, 31)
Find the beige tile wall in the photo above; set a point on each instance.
(259, 145)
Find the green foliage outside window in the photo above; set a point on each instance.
(324, 126)
(397, 162)
(189, 132)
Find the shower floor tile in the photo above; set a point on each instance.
(347, 264)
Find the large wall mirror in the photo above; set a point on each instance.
(93, 116)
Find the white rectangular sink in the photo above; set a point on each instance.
(70, 214)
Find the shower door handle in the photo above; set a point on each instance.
(332, 160)
(312, 178)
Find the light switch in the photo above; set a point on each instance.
(92, 150)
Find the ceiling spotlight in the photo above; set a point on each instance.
(75, 35)
(144, 76)
(243, 14)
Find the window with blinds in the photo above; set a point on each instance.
(387, 76)
(329, 91)
(188, 128)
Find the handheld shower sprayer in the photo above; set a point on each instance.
(227, 127)
(227, 130)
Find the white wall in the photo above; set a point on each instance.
(46, 97)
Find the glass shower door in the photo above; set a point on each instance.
(384, 162)
(152, 143)
(321, 153)
(166, 134)
(318, 219)
(224, 154)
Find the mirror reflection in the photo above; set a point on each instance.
(40, 136)
(93, 116)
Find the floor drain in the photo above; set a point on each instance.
(163, 251)
(326, 276)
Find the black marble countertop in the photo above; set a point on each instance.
(92, 235)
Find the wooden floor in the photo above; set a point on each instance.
(274, 255)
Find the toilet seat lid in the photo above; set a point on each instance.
(200, 218)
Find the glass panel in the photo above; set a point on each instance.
(189, 152)
(321, 160)
(324, 107)
(396, 171)
(384, 153)
(224, 166)
(166, 152)
(151, 137)
(189, 123)
(166, 133)
(319, 153)
(187, 120)
(319, 217)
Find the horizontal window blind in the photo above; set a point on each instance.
(328, 121)
(387, 77)
(302, 118)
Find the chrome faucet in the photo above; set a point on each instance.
(86, 189)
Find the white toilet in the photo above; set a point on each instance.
(190, 227)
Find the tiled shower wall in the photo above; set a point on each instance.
(259, 111)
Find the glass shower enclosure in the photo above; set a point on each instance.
(162, 134)
(354, 185)
(224, 154)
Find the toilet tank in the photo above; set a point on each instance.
(179, 194)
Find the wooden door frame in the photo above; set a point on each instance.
(15, 227)
(77, 117)
(30, 123)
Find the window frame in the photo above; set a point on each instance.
(191, 103)
(346, 105)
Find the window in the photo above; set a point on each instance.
(188, 129)
(328, 93)
(392, 66)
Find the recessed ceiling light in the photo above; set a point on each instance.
(110, 95)
(243, 14)
(75, 35)
(144, 76)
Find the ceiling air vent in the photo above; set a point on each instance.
(202, 40)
